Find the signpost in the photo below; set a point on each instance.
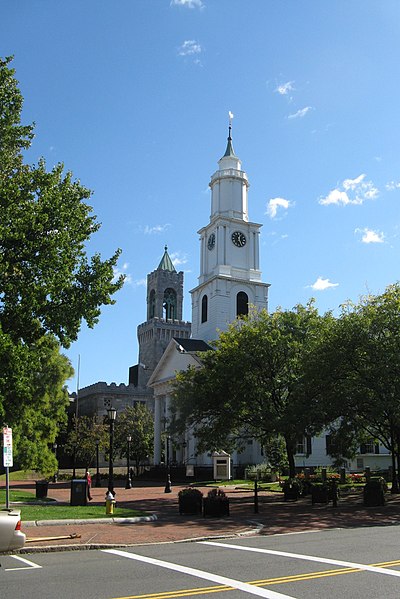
(7, 459)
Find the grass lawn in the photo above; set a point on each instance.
(63, 512)
(21, 475)
(51, 510)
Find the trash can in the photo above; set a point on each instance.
(78, 492)
(42, 486)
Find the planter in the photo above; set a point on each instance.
(190, 501)
(320, 495)
(216, 508)
(374, 494)
(291, 492)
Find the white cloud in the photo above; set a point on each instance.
(322, 284)
(139, 283)
(188, 3)
(370, 236)
(300, 113)
(353, 183)
(156, 229)
(355, 191)
(285, 88)
(275, 204)
(392, 185)
(178, 259)
(189, 48)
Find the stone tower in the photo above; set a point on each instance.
(164, 318)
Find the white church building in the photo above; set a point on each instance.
(229, 281)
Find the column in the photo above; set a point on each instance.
(157, 431)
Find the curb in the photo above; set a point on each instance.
(135, 520)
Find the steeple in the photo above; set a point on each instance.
(229, 160)
(166, 262)
(229, 152)
(230, 276)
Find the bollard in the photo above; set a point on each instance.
(110, 502)
(256, 496)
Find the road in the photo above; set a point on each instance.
(341, 563)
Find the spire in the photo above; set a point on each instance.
(166, 262)
(230, 152)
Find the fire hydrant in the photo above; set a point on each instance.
(110, 502)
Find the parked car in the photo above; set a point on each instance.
(11, 536)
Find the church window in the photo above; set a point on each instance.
(204, 309)
(242, 304)
(152, 304)
(169, 304)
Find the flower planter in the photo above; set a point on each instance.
(190, 501)
(374, 494)
(320, 495)
(216, 508)
(291, 492)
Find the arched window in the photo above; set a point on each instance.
(169, 304)
(152, 304)
(204, 309)
(242, 304)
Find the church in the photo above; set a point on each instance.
(230, 280)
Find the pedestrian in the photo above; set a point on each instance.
(88, 484)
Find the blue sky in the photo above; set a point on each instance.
(133, 96)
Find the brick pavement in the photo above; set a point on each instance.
(275, 516)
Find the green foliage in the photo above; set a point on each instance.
(33, 398)
(217, 495)
(254, 385)
(48, 284)
(275, 450)
(136, 421)
(82, 439)
(360, 362)
(190, 492)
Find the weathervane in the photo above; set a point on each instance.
(230, 123)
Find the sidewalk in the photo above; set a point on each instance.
(275, 517)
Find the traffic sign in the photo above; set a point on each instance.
(7, 447)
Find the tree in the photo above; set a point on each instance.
(83, 437)
(254, 385)
(48, 283)
(361, 362)
(137, 422)
(33, 398)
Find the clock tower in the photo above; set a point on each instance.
(230, 276)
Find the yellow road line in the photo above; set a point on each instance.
(259, 583)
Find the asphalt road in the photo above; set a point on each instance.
(341, 563)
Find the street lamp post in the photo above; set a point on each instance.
(128, 472)
(97, 482)
(168, 481)
(112, 414)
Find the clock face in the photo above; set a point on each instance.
(211, 241)
(239, 239)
